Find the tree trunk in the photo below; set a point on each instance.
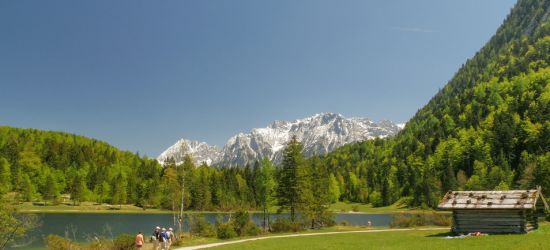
(292, 216)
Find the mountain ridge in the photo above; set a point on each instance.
(320, 134)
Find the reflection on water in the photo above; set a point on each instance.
(83, 227)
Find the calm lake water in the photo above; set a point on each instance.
(85, 226)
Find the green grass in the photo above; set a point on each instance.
(539, 239)
(398, 207)
(91, 207)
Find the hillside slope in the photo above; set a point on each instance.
(44, 164)
(488, 128)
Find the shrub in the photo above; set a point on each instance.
(243, 225)
(344, 223)
(241, 221)
(285, 225)
(375, 198)
(415, 220)
(123, 242)
(55, 242)
(441, 219)
(201, 227)
(355, 208)
(252, 229)
(226, 231)
(327, 219)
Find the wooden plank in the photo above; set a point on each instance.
(474, 206)
(489, 211)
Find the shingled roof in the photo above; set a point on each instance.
(513, 199)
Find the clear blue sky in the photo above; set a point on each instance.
(142, 74)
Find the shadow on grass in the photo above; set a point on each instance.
(445, 234)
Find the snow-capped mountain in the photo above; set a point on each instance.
(199, 151)
(319, 134)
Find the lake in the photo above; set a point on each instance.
(83, 227)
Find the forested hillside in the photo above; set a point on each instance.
(488, 128)
(42, 165)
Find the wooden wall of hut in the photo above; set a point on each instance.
(493, 221)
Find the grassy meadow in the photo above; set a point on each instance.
(415, 239)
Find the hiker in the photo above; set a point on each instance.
(170, 236)
(139, 240)
(156, 238)
(163, 239)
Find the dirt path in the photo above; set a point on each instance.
(304, 234)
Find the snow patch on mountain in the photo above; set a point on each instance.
(320, 134)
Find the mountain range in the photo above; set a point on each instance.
(320, 134)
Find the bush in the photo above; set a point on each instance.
(441, 219)
(55, 242)
(344, 223)
(355, 208)
(375, 198)
(326, 219)
(252, 229)
(201, 227)
(241, 221)
(243, 225)
(123, 242)
(226, 231)
(416, 220)
(285, 225)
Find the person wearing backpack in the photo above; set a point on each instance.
(163, 239)
(169, 237)
(156, 238)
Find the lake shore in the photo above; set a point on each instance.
(92, 208)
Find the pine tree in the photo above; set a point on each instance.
(28, 190)
(334, 189)
(78, 189)
(320, 195)
(119, 190)
(5, 176)
(288, 191)
(51, 193)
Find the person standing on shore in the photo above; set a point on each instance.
(163, 239)
(139, 240)
(169, 236)
(156, 238)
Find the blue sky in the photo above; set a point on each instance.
(142, 74)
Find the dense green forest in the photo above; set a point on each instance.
(488, 128)
(43, 165)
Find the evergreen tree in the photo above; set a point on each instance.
(28, 190)
(119, 190)
(51, 193)
(321, 196)
(291, 180)
(78, 189)
(5, 176)
(334, 189)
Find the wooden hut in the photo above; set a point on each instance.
(514, 211)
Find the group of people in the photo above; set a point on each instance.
(162, 239)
